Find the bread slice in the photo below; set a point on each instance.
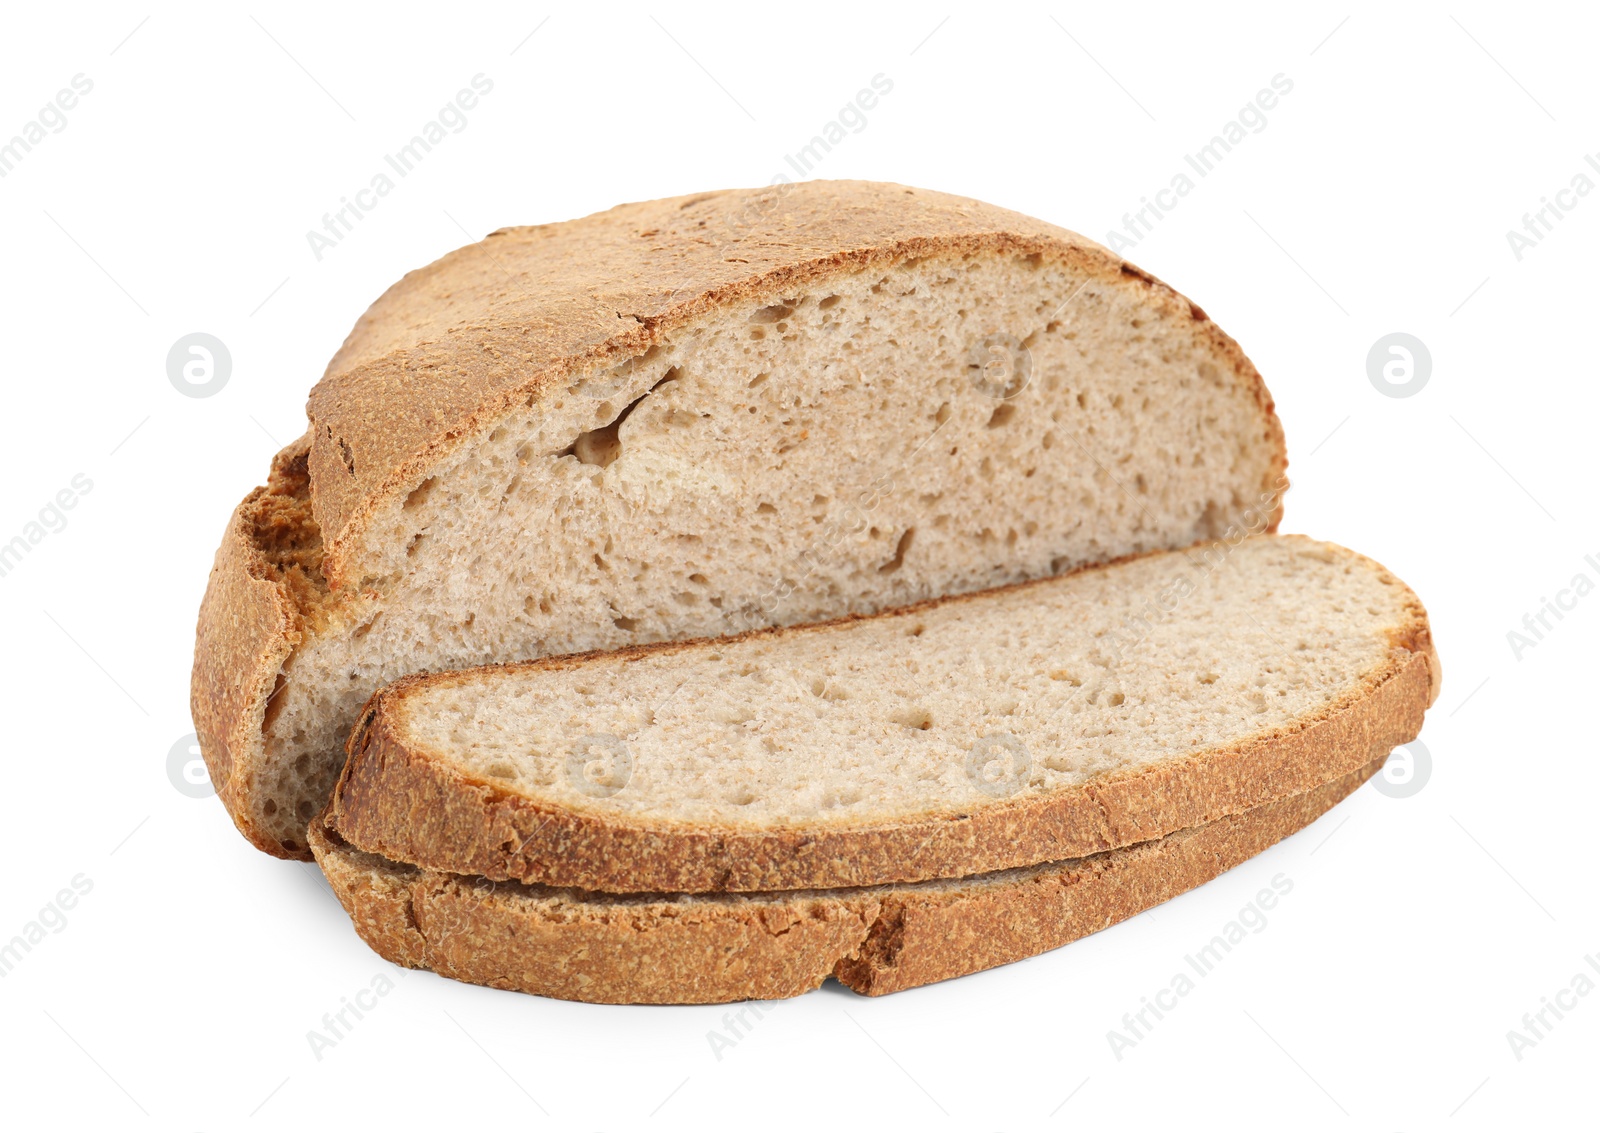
(1033, 723)
(571, 944)
(698, 416)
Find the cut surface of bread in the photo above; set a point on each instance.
(1032, 723)
(700, 416)
(571, 944)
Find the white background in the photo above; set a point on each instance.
(177, 198)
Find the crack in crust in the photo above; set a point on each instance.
(261, 598)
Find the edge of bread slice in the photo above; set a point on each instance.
(738, 785)
(599, 948)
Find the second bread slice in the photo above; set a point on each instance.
(1035, 723)
(674, 948)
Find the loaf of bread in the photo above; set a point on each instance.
(718, 948)
(700, 416)
(1038, 722)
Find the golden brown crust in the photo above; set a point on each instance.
(486, 329)
(408, 805)
(656, 949)
(249, 623)
(590, 947)
(936, 932)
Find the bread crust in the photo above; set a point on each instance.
(481, 332)
(396, 800)
(486, 330)
(569, 944)
(249, 624)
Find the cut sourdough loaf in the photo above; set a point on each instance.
(571, 944)
(1032, 723)
(698, 416)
